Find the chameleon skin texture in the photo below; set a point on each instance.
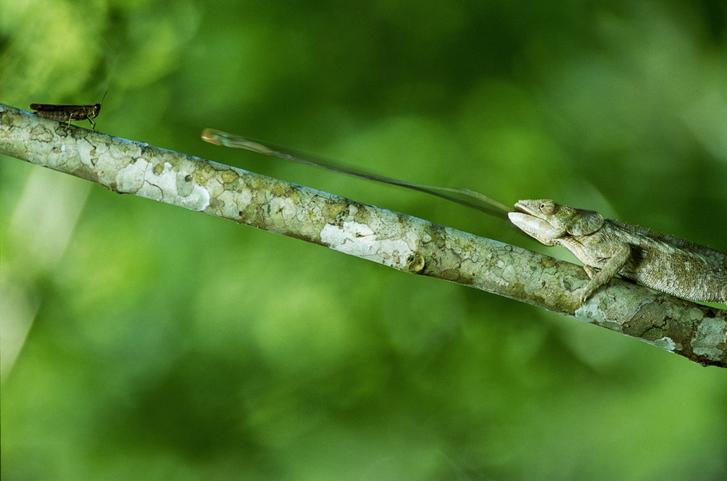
(667, 264)
(389, 238)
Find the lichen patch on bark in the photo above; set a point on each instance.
(161, 182)
(361, 241)
(666, 343)
(710, 341)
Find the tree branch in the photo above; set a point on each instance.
(395, 240)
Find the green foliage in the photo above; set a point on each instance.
(161, 344)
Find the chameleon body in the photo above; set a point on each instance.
(608, 248)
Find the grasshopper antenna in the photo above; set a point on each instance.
(464, 197)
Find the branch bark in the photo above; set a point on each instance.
(395, 240)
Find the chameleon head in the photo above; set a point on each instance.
(547, 221)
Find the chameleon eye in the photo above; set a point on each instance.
(547, 208)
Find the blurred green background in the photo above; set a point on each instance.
(143, 341)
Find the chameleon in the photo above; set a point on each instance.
(607, 248)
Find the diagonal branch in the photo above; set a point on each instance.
(395, 240)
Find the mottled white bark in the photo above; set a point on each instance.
(396, 240)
